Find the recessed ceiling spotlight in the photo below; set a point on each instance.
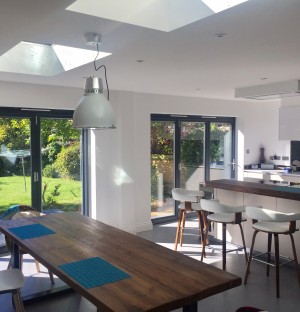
(220, 35)
(140, 61)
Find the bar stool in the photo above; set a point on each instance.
(189, 201)
(273, 223)
(224, 214)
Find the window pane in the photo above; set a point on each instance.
(15, 162)
(162, 168)
(61, 181)
(192, 155)
(220, 151)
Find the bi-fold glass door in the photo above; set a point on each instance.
(186, 151)
(39, 160)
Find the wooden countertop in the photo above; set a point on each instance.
(286, 192)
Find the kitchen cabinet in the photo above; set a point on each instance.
(289, 123)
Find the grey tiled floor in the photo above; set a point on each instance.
(259, 292)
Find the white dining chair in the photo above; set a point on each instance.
(224, 214)
(273, 223)
(11, 281)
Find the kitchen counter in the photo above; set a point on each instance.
(276, 197)
(273, 190)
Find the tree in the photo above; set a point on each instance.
(15, 133)
(55, 135)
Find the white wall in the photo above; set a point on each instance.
(122, 156)
(38, 96)
(257, 122)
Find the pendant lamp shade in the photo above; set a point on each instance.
(93, 110)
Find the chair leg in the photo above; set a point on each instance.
(224, 245)
(269, 252)
(203, 254)
(182, 227)
(276, 242)
(18, 301)
(244, 244)
(21, 261)
(295, 258)
(37, 265)
(200, 225)
(206, 224)
(10, 262)
(202, 236)
(51, 277)
(250, 257)
(178, 228)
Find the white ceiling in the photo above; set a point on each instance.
(262, 41)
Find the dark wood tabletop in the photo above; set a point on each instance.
(272, 190)
(160, 279)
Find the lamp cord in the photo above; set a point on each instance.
(97, 68)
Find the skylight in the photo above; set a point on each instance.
(45, 60)
(221, 5)
(164, 15)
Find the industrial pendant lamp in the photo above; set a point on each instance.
(93, 110)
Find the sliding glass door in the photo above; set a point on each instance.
(162, 168)
(15, 161)
(186, 151)
(221, 159)
(39, 160)
(60, 165)
(191, 166)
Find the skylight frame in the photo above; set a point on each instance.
(46, 59)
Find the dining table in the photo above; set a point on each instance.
(114, 269)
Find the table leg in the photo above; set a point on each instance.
(16, 257)
(42, 295)
(193, 307)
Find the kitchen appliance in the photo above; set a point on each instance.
(265, 166)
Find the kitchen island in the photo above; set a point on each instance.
(269, 196)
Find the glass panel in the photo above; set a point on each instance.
(61, 180)
(15, 162)
(192, 155)
(162, 168)
(220, 151)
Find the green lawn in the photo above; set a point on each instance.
(13, 191)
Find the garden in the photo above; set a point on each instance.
(60, 159)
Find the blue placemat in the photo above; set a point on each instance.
(93, 272)
(31, 231)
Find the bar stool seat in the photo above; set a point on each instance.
(274, 224)
(223, 218)
(273, 227)
(224, 214)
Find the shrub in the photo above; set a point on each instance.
(67, 163)
(50, 172)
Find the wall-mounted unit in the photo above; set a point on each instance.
(289, 123)
(270, 91)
